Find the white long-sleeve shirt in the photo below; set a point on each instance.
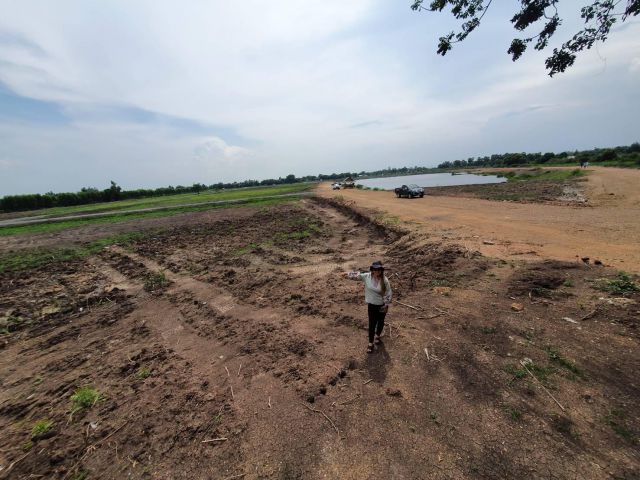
(372, 289)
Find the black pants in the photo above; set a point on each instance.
(376, 320)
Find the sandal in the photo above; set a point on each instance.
(370, 348)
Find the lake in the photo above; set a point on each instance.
(429, 180)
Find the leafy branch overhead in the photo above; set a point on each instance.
(599, 17)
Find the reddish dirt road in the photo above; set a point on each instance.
(607, 229)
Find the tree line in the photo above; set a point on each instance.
(624, 155)
(16, 203)
(88, 195)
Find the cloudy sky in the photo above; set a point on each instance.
(154, 93)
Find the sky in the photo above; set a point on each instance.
(151, 93)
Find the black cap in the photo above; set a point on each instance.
(376, 266)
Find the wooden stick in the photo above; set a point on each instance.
(232, 396)
(589, 315)
(15, 463)
(228, 376)
(364, 383)
(540, 383)
(426, 350)
(407, 305)
(325, 416)
(91, 448)
(269, 402)
(441, 311)
(239, 369)
(221, 439)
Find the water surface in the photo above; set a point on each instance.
(430, 180)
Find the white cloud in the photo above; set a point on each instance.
(287, 78)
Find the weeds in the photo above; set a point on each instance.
(519, 372)
(555, 357)
(155, 281)
(513, 413)
(568, 282)
(622, 285)
(143, 373)
(41, 427)
(10, 324)
(85, 397)
(217, 418)
(615, 419)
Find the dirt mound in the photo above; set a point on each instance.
(435, 264)
(542, 278)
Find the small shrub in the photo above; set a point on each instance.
(623, 284)
(616, 420)
(155, 281)
(143, 373)
(555, 357)
(514, 413)
(568, 282)
(85, 397)
(41, 427)
(488, 330)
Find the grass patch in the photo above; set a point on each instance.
(11, 324)
(622, 285)
(558, 359)
(568, 282)
(513, 413)
(616, 420)
(85, 397)
(35, 258)
(539, 174)
(41, 427)
(488, 330)
(143, 373)
(155, 281)
(519, 372)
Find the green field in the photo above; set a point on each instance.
(122, 216)
(35, 257)
(540, 174)
(169, 200)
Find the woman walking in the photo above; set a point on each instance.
(377, 294)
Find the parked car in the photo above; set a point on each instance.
(409, 191)
(335, 186)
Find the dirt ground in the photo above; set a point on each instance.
(606, 227)
(230, 347)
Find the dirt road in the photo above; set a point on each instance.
(607, 229)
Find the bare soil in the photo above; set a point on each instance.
(607, 229)
(231, 348)
(567, 192)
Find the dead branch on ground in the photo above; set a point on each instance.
(325, 416)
